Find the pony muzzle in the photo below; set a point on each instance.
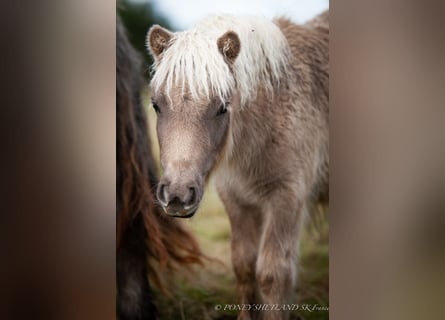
(178, 202)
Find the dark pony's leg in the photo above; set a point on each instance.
(134, 298)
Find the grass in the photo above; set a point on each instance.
(196, 294)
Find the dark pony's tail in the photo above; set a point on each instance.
(146, 239)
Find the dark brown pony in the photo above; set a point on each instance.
(145, 238)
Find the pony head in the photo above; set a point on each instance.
(193, 118)
(202, 77)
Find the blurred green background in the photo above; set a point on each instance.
(196, 294)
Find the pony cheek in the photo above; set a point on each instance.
(223, 132)
(219, 137)
(161, 130)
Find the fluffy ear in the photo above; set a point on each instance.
(229, 46)
(158, 40)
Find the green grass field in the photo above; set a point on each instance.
(197, 294)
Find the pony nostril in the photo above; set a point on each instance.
(193, 196)
(162, 194)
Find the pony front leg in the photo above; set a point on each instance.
(245, 223)
(277, 258)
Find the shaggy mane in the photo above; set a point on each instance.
(193, 61)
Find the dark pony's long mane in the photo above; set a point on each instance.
(141, 229)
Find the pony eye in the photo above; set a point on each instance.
(156, 107)
(222, 109)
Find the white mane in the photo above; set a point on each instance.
(193, 58)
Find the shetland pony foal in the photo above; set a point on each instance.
(247, 99)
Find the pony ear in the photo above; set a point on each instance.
(158, 39)
(229, 46)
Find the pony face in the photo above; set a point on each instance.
(192, 124)
(191, 135)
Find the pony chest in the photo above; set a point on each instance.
(236, 181)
